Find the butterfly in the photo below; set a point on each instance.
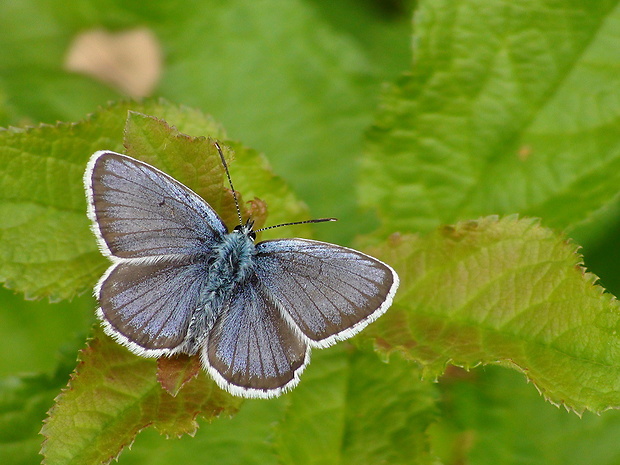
(181, 282)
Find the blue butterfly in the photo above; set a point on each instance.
(180, 282)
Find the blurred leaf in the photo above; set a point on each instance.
(276, 73)
(377, 26)
(506, 292)
(34, 38)
(23, 403)
(31, 332)
(503, 113)
(388, 411)
(285, 82)
(494, 417)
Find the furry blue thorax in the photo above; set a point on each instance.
(233, 260)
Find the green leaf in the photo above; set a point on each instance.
(175, 372)
(246, 438)
(506, 292)
(499, 116)
(46, 246)
(352, 408)
(112, 396)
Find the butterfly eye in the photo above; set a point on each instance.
(246, 229)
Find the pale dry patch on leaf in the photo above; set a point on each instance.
(130, 61)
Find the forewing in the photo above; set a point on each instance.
(139, 211)
(330, 292)
(252, 351)
(149, 306)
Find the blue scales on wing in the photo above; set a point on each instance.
(139, 211)
(252, 349)
(155, 308)
(330, 292)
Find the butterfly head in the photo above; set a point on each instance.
(247, 229)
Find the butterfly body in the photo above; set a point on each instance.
(233, 259)
(180, 282)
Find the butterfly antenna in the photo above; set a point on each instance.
(318, 220)
(219, 150)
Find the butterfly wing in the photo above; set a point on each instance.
(139, 211)
(252, 351)
(150, 306)
(329, 292)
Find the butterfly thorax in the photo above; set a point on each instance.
(233, 260)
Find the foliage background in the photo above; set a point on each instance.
(301, 81)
